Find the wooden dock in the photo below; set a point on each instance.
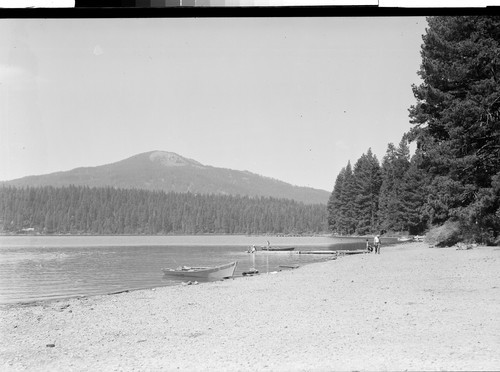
(316, 252)
(357, 251)
(341, 252)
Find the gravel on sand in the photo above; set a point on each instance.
(410, 308)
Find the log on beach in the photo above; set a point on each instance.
(411, 307)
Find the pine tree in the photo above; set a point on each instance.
(347, 215)
(334, 203)
(457, 121)
(388, 204)
(394, 167)
(414, 196)
(367, 180)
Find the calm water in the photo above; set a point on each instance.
(50, 267)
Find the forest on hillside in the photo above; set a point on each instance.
(106, 210)
(452, 181)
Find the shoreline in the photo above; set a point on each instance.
(411, 307)
(43, 302)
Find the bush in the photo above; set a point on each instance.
(445, 235)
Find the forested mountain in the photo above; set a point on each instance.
(85, 210)
(453, 178)
(167, 171)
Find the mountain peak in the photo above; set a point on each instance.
(171, 172)
(171, 159)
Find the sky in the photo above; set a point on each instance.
(294, 99)
(240, 3)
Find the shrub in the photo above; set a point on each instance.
(445, 235)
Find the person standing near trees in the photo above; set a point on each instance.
(376, 244)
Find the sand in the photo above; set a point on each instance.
(410, 308)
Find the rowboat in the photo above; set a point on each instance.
(252, 271)
(405, 239)
(215, 272)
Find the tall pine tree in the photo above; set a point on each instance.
(334, 203)
(394, 166)
(457, 122)
(347, 215)
(413, 192)
(367, 181)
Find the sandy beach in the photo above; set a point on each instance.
(410, 308)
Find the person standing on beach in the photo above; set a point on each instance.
(376, 244)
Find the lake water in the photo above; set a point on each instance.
(50, 267)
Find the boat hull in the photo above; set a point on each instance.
(404, 240)
(216, 272)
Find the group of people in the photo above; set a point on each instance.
(376, 245)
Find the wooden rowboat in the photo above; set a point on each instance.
(405, 239)
(215, 272)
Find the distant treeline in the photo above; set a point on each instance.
(452, 183)
(85, 210)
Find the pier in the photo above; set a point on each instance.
(340, 252)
